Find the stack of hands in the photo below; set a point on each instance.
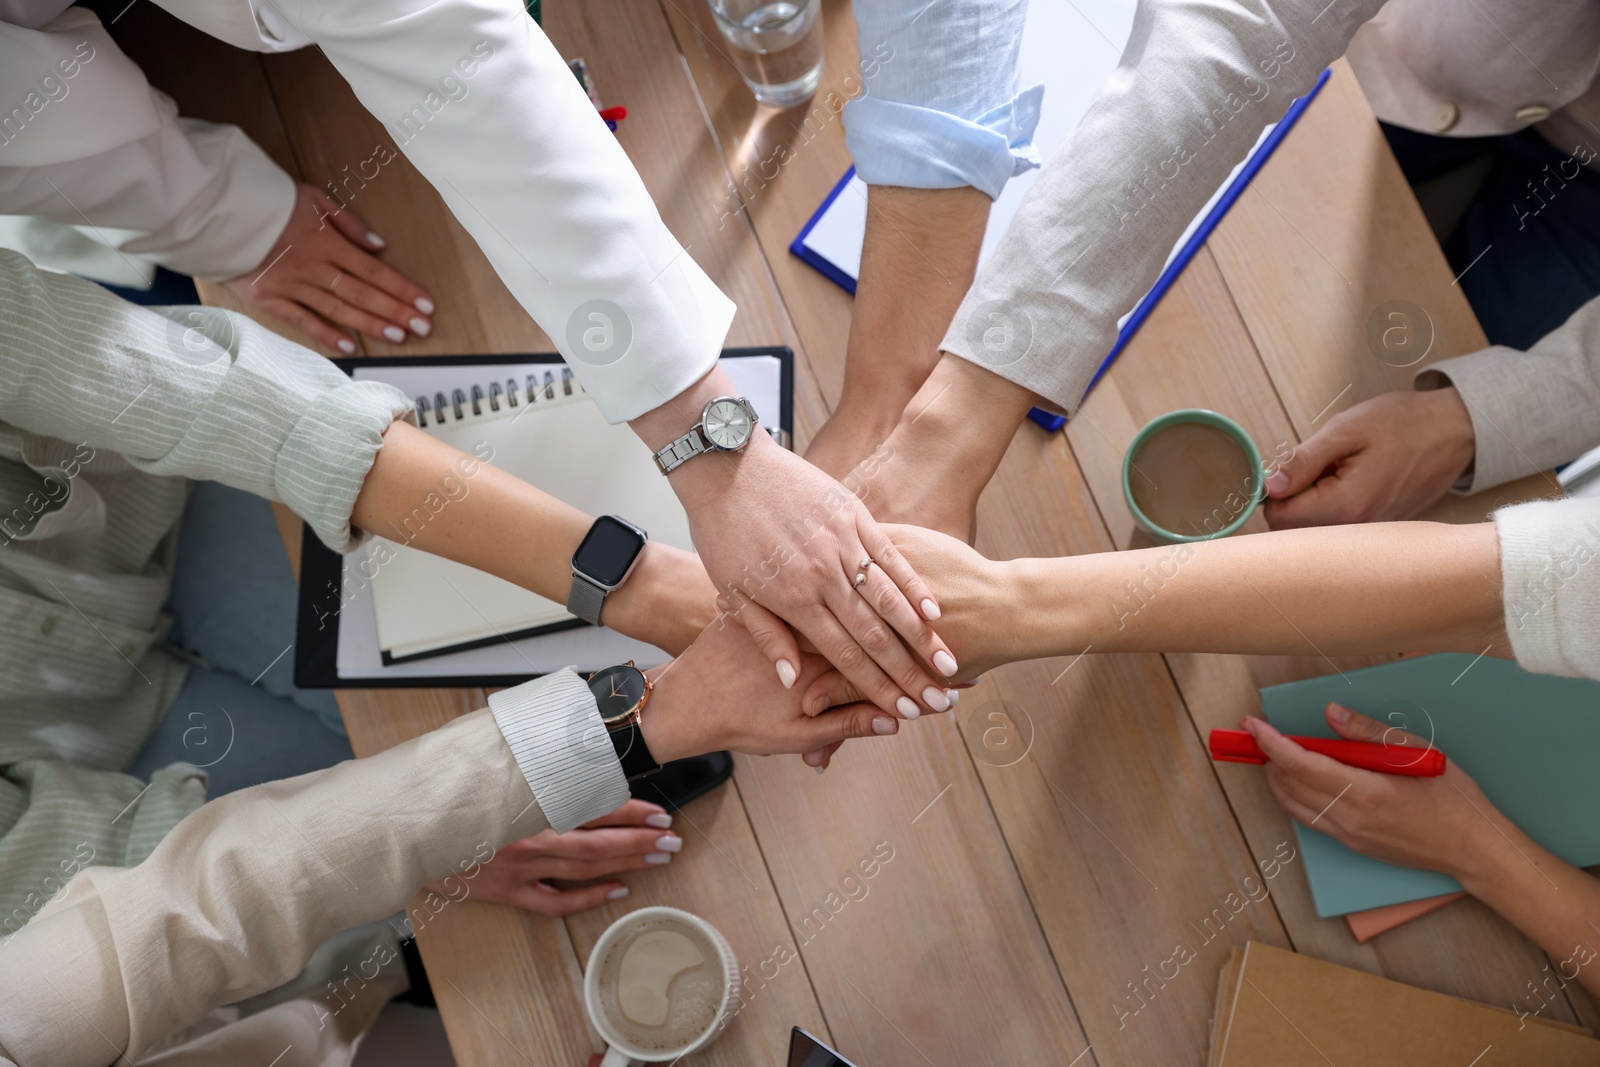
(798, 658)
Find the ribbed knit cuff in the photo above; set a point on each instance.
(1550, 569)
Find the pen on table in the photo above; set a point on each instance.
(1237, 746)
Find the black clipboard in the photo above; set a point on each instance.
(316, 646)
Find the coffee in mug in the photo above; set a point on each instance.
(1192, 475)
(660, 983)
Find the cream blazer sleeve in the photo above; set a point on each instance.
(90, 148)
(1198, 81)
(1530, 410)
(477, 98)
(237, 897)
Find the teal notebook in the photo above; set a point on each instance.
(1532, 742)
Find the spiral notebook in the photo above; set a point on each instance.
(541, 426)
(389, 614)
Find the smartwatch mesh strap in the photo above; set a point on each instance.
(681, 451)
(585, 599)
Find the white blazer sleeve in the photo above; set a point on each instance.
(92, 146)
(480, 102)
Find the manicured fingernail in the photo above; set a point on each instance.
(1339, 713)
(819, 768)
(906, 706)
(394, 333)
(1277, 482)
(660, 820)
(347, 346)
(935, 699)
(373, 238)
(786, 673)
(658, 858)
(617, 893)
(954, 696)
(930, 610)
(423, 304)
(945, 662)
(669, 843)
(421, 327)
(882, 724)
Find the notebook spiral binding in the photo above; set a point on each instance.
(491, 398)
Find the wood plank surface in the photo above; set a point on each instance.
(1018, 905)
(1270, 260)
(509, 984)
(1036, 505)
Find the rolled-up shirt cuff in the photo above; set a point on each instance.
(553, 727)
(327, 455)
(924, 148)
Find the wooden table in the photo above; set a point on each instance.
(1029, 893)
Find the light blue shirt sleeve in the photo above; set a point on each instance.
(939, 107)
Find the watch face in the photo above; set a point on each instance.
(727, 424)
(617, 690)
(608, 550)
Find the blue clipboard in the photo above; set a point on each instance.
(1048, 419)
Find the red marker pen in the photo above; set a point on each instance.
(1238, 746)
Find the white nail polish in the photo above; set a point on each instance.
(394, 333)
(945, 662)
(617, 893)
(906, 706)
(658, 858)
(786, 673)
(930, 610)
(373, 238)
(421, 327)
(423, 304)
(660, 820)
(347, 346)
(953, 695)
(819, 768)
(935, 699)
(669, 843)
(882, 724)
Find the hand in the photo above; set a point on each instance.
(973, 594)
(1437, 824)
(784, 542)
(1385, 459)
(947, 445)
(633, 837)
(321, 274)
(722, 693)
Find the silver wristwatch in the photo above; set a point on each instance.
(726, 425)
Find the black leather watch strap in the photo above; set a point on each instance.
(632, 752)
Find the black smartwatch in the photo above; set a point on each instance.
(603, 561)
(622, 692)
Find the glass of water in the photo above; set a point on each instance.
(776, 44)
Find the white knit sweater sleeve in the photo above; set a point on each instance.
(1550, 561)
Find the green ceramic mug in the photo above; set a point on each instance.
(1233, 508)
